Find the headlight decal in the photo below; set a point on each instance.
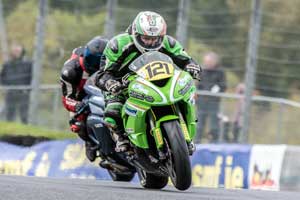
(186, 88)
(173, 85)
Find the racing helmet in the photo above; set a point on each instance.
(148, 31)
(93, 53)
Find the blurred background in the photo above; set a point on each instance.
(254, 46)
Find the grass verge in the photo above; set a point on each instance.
(17, 129)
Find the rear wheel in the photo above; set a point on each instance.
(152, 181)
(127, 174)
(178, 163)
(126, 177)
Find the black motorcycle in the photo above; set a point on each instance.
(115, 162)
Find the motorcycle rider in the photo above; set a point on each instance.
(146, 33)
(83, 62)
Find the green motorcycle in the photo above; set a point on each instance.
(159, 120)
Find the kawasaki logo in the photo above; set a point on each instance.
(141, 96)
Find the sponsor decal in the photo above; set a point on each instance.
(140, 87)
(186, 88)
(50, 159)
(141, 96)
(221, 166)
(129, 130)
(228, 166)
(265, 166)
(185, 130)
(130, 111)
(158, 136)
(153, 29)
(183, 80)
(98, 125)
(151, 19)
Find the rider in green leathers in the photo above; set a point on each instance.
(146, 33)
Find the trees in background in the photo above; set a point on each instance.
(218, 25)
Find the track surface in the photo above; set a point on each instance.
(25, 188)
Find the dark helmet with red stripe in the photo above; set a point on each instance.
(93, 53)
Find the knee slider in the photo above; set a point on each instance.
(110, 121)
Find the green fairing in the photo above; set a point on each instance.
(135, 124)
(143, 95)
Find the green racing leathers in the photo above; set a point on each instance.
(119, 53)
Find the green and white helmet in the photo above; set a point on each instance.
(148, 31)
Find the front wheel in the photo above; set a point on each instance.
(178, 163)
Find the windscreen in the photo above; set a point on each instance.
(148, 58)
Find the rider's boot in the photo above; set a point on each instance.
(90, 150)
(122, 143)
(117, 131)
(90, 146)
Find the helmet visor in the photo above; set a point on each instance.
(92, 60)
(149, 42)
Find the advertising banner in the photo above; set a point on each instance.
(217, 165)
(213, 165)
(290, 170)
(265, 166)
(49, 159)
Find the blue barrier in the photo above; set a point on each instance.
(213, 165)
(49, 159)
(221, 165)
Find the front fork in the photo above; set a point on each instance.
(156, 132)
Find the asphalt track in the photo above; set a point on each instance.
(31, 188)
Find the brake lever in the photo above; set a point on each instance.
(125, 80)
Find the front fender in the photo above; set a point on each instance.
(170, 118)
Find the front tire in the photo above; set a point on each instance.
(179, 165)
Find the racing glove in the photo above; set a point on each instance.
(194, 70)
(76, 127)
(79, 106)
(113, 86)
(76, 124)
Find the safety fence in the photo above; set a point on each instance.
(273, 120)
(50, 112)
(267, 167)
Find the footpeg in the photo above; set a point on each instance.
(105, 164)
(152, 159)
(113, 166)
